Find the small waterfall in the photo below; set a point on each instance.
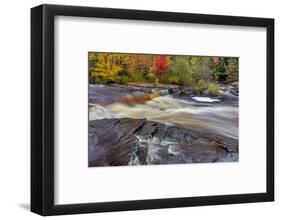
(161, 92)
(133, 99)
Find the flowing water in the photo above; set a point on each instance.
(214, 114)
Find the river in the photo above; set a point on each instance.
(214, 114)
(142, 125)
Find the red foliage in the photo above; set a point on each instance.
(160, 65)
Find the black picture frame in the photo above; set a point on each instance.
(42, 109)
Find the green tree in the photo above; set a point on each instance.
(180, 72)
(232, 68)
(203, 68)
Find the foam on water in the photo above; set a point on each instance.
(99, 112)
(173, 111)
(205, 99)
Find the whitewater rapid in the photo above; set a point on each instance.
(195, 114)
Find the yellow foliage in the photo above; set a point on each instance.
(106, 68)
(202, 85)
(214, 88)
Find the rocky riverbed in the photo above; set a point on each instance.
(125, 141)
(170, 129)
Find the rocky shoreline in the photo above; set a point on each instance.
(127, 141)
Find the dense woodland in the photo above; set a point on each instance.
(192, 71)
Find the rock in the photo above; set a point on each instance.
(235, 84)
(112, 142)
(118, 142)
(206, 92)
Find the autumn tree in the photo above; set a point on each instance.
(180, 70)
(106, 69)
(138, 66)
(160, 65)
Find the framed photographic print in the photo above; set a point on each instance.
(136, 109)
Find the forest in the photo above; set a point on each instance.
(198, 72)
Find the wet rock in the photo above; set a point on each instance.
(117, 142)
(112, 142)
